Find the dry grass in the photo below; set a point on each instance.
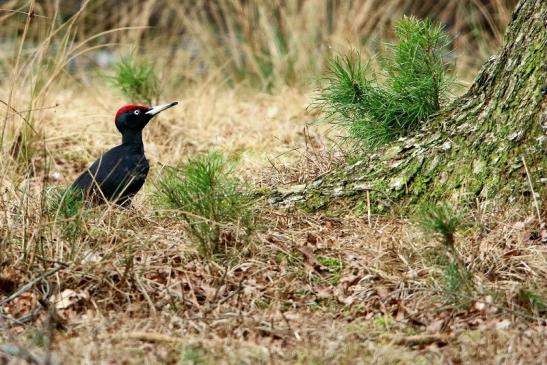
(248, 125)
(308, 289)
(311, 289)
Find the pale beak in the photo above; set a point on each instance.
(156, 109)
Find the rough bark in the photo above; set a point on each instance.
(483, 147)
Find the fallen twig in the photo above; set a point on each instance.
(225, 299)
(29, 285)
(20, 353)
(142, 289)
(149, 337)
(421, 340)
(536, 205)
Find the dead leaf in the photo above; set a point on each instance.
(68, 298)
(349, 280)
(22, 305)
(346, 300)
(514, 252)
(411, 274)
(382, 292)
(400, 314)
(310, 259)
(503, 325)
(423, 340)
(311, 238)
(341, 296)
(480, 306)
(435, 326)
(324, 293)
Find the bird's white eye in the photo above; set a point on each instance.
(137, 112)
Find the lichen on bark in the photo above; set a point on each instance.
(482, 147)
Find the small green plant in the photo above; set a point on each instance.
(455, 281)
(532, 300)
(193, 355)
(137, 81)
(263, 303)
(335, 266)
(211, 200)
(441, 222)
(383, 323)
(411, 86)
(65, 205)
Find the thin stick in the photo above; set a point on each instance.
(20, 353)
(29, 285)
(142, 289)
(30, 14)
(532, 188)
(15, 73)
(224, 300)
(296, 335)
(368, 209)
(147, 337)
(420, 340)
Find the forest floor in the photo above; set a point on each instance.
(310, 288)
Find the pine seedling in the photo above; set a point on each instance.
(65, 206)
(136, 81)
(411, 86)
(441, 222)
(210, 199)
(532, 300)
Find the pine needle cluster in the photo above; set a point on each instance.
(136, 81)
(412, 85)
(210, 199)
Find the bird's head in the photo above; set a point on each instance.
(135, 117)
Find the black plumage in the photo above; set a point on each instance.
(120, 173)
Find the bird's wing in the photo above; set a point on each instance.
(104, 172)
(115, 173)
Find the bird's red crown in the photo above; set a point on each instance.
(130, 107)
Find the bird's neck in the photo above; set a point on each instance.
(133, 139)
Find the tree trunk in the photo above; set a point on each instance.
(488, 146)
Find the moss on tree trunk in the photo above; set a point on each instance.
(477, 149)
